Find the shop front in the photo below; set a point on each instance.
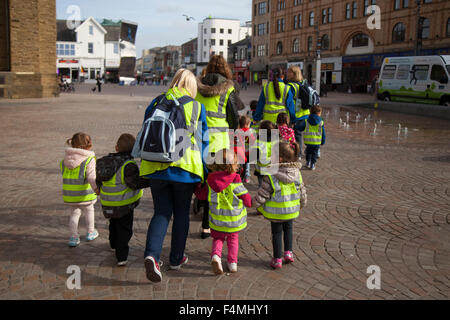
(241, 70)
(331, 72)
(68, 69)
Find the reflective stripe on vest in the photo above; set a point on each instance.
(192, 158)
(313, 134)
(264, 155)
(115, 193)
(284, 203)
(273, 105)
(216, 118)
(75, 186)
(227, 212)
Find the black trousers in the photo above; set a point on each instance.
(120, 232)
(281, 232)
(205, 218)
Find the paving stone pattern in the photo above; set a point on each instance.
(380, 199)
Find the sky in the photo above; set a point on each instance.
(160, 23)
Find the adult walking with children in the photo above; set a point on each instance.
(172, 180)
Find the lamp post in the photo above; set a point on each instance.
(318, 60)
(418, 31)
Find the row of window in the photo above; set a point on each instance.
(419, 72)
(213, 42)
(66, 49)
(212, 53)
(324, 44)
(213, 30)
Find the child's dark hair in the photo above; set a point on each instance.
(253, 105)
(225, 160)
(289, 151)
(80, 140)
(276, 74)
(316, 109)
(244, 121)
(267, 125)
(282, 119)
(125, 143)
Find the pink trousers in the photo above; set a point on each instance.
(232, 240)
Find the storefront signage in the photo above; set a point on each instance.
(67, 61)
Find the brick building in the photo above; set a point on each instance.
(189, 55)
(351, 53)
(27, 49)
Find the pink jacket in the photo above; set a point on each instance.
(73, 158)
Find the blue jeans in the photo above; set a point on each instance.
(169, 198)
(311, 153)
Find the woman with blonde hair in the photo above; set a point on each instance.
(172, 184)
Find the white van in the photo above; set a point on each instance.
(420, 79)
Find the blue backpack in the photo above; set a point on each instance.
(158, 141)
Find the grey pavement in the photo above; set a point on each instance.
(380, 196)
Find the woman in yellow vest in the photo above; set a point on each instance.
(280, 198)
(295, 80)
(172, 184)
(217, 92)
(276, 97)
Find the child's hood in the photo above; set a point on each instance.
(220, 180)
(74, 157)
(314, 119)
(288, 172)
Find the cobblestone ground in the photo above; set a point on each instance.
(378, 197)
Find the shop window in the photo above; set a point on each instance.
(295, 46)
(325, 42)
(360, 40)
(279, 48)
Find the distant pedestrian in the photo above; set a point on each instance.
(79, 187)
(279, 199)
(244, 83)
(119, 184)
(99, 84)
(166, 79)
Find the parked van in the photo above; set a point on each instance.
(420, 79)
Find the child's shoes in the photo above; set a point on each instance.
(92, 235)
(232, 267)
(313, 167)
(288, 257)
(74, 241)
(216, 264)
(276, 263)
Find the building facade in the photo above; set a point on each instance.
(27, 49)
(215, 35)
(189, 55)
(351, 49)
(239, 58)
(89, 49)
(161, 60)
(260, 40)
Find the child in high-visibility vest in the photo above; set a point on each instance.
(279, 199)
(79, 187)
(227, 197)
(119, 183)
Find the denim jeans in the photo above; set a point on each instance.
(169, 198)
(311, 153)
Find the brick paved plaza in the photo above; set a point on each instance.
(378, 198)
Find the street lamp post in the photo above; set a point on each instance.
(318, 60)
(418, 36)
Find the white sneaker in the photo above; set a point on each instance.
(232, 267)
(216, 264)
(122, 263)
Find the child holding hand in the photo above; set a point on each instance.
(280, 198)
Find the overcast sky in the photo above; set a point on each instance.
(160, 23)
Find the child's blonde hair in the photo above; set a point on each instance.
(185, 79)
(225, 160)
(80, 140)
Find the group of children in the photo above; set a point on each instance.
(115, 178)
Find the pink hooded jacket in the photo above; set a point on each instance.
(73, 158)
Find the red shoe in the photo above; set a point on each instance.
(183, 261)
(276, 263)
(152, 269)
(288, 257)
